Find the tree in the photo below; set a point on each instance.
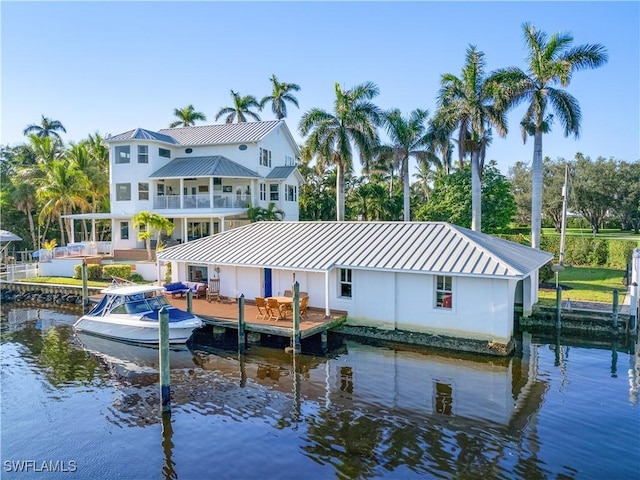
(270, 214)
(354, 120)
(241, 108)
(187, 117)
(451, 199)
(408, 137)
(468, 105)
(551, 61)
(280, 94)
(47, 128)
(594, 189)
(151, 224)
(519, 176)
(628, 196)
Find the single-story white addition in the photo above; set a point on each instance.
(429, 277)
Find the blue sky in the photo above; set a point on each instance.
(113, 66)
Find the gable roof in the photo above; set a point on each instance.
(223, 133)
(141, 134)
(280, 172)
(213, 166)
(419, 247)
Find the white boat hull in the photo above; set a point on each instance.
(133, 330)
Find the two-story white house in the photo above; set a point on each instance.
(203, 178)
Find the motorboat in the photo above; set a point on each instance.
(130, 313)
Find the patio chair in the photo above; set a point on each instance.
(303, 294)
(273, 309)
(288, 293)
(304, 304)
(214, 290)
(262, 308)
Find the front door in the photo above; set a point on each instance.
(267, 282)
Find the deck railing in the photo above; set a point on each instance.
(201, 201)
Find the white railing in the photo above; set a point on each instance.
(190, 202)
(20, 271)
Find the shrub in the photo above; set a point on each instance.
(136, 277)
(545, 273)
(94, 271)
(120, 271)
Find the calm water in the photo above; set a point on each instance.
(89, 408)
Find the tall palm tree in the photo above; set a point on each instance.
(280, 94)
(551, 61)
(47, 128)
(354, 120)
(62, 189)
(152, 223)
(468, 105)
(187, 117)
(24, 199)
(408, 139)
(241, 108)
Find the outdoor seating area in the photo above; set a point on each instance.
(280, 308)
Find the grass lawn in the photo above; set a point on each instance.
(612, 233)
(66, 281)
(594, 284)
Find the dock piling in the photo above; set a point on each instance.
(295, 339)
(242, 340)
(189, 301)
(615, 309)
(85, 288)
(165, 377)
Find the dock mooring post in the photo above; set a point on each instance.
(242, 338)
(165, 377)
(85, 288)
(557, 268)
(295, 339)
(614, 316)
(189, 301)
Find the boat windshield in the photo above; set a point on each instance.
(156, 303)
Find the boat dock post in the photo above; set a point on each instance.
(165, 377)
(189, 301)
(615, 309)
(242, 338)
(295, 340)
(85, 288)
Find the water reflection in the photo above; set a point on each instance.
(365, 411)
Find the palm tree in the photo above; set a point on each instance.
(354, 120)
(270, 214)
(408, 137)
(47, 128)
(280, 94)
(241, 108)
(24, 199)
(187, 117)
(552, 61)
(468, 104)
(152, 222)
(62, 189)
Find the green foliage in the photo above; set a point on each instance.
(136, 277)
(94, 271)
(545, 273)
(450, 200)
(120, 271)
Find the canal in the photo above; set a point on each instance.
(82, 407)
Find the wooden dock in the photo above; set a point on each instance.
(225, 314)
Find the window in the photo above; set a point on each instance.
(143, 154)
(291, 193)
(160, 189)
(164, 152)
(263, 192)
(444, 292)
(123, 154)
(124, 230)
(265, 157)
(123, 191)
(203, 188)
(289, 161)
(273, 192)
(143, 191)
(345, 283)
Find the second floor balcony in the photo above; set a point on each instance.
(201, 201)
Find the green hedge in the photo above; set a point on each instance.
(584, 251)
(94, 271)
(120, 271)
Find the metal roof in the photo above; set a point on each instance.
(224, 133)
(213, 166)
(280, 172)
(420, 247)
(141, 134)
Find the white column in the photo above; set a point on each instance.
(181, 193)
(327, 310)
(211, 205)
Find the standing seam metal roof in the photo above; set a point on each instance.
(426, 247)
(223, 133)
(213, 166)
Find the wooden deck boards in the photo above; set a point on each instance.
(225, 314)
